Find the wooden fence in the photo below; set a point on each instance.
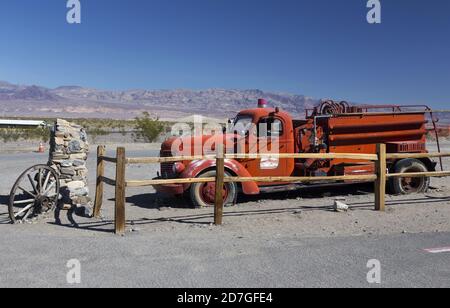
(121, 161)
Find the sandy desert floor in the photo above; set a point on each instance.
(307, 212)
(255, 224)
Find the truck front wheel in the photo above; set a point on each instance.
(405, 186)
(203, 194)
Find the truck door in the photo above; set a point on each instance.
(270, 139)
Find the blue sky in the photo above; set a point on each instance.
(319, 48)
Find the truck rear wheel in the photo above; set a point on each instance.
(203, 194)
(406, 186)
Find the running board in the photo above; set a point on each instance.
(297, 186)
(280, 188)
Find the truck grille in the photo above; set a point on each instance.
(167, 168)
(412, 147)
(406, 147)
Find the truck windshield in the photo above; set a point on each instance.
(241, 125)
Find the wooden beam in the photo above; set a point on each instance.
(380, 183)
(156, 160)
(273, 179)
(419, 174)
(120, 223)
(99, 182)
(325, 156)
(144, 183)
(362, 178)
(220, 174)
(109, 159)
(108, 181)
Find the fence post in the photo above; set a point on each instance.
(380, 183)
(120, 192)
(101, 150)
(220, 173)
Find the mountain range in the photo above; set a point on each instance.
(80, 102)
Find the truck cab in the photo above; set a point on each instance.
(265, 131)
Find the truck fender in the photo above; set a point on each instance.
(198, 167)
(431, 165)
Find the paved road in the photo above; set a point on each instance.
(143, 260)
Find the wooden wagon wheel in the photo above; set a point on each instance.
(35, 192)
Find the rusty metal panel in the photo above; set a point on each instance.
(372, 129)
(361, 133)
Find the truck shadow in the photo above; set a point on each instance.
(158, 201)
(4, 217)
(4, 199)
(316, 192)
(243, 208)
(205, 219)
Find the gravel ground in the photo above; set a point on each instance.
(307, 212)
(277, 240)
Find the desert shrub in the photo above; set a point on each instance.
(28, 134)
(94, 128)
(149, 128)
(9, 135)
(95, 132)
(41, 134)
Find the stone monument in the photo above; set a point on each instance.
(69, 150)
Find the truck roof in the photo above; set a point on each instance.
(265, 112)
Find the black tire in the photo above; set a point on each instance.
(406, 186)
(196, 196)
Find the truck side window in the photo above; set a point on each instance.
(270, 127)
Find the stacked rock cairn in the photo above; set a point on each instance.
(69, 150)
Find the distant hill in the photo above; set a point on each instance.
(75, 101)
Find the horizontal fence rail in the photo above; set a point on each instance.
(108, 181)
(419, 175)
(324, 156)
(380, 176)
(108, 159)
(143, 183)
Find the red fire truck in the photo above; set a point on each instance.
(329, 128)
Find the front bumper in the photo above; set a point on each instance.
(170, 189)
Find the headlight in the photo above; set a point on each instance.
(178, 168)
